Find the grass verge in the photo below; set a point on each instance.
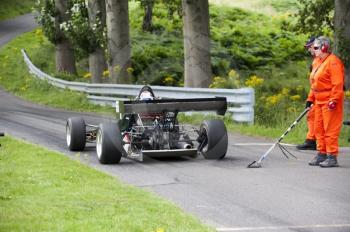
(43, 190)
(15, 77)
(13, 8)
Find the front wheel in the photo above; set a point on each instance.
(76, 134)
(109, 146)
(214, 140)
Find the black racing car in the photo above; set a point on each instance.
(149, 126)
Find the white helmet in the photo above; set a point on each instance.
(146, 95)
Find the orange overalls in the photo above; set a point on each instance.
(327, 81)
(310, 117)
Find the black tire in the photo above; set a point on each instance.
(109, 147)
(216, 140)
(76, 134)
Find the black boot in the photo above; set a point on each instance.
(330, 162)
(309, 144)
(320, 157)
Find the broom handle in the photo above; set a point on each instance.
(294, 123)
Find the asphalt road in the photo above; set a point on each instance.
(284, 195)
(13, 27)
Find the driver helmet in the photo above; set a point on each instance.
(146, 95)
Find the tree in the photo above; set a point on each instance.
(342, 35)
(51, 14)
(147, 18)
(118, 40)
(97, 18)
(196, 43)
(65, 59)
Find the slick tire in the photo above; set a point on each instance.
(75, 134)
(109, 146)
(215, 145)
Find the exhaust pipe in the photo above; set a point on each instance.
(184, 146)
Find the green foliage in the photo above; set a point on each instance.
(45, 15)
(252, 40)
(315, 16)
(85, 39)
(155, 59)
(13, 8)
(241, 40)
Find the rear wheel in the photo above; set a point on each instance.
(75, 134)
(214, 139)
(109, 146)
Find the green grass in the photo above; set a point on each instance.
(43, 190)
(12, 8)
(15, 78)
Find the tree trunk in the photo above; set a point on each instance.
(196, 43)
(342, 40)
(97, 65)
(65, 59)
(147, 18)
(118, 40)
(97, 60)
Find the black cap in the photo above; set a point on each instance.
(309, 42)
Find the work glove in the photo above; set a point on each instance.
(308, 104)
(332, 105)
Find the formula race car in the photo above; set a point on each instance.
(149, 127)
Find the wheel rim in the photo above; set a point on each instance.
(99, 144)
(68, 136)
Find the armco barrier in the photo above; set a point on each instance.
(240, 101)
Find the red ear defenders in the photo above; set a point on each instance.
(324, 47)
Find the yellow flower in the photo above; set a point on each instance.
(232, 73)
(105, 73)
(168, 80)
(295, 98)
(218, 82)
(39, 32)
(285, 91)
(347, 94)
(273, 100)
(130, 70)
(160, 230)
(87, 75)
(254, 81)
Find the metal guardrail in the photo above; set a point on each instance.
(240, 101)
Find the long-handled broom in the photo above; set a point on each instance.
(257, 164)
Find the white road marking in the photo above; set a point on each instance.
(260, 144)
(281, 227)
